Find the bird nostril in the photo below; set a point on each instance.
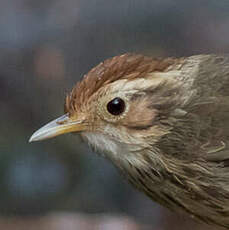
(62, 120)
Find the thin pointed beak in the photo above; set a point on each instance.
(61, 125)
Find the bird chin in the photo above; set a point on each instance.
(103, 144)
(119, 153)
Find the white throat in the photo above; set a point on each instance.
(103, 144)
(119, 153)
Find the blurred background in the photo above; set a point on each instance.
(45, 47)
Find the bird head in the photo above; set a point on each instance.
(120, 105)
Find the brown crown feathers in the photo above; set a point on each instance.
(127, 66)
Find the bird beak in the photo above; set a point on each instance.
(61, 125)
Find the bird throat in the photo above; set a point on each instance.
(108, 147)
(129, 159)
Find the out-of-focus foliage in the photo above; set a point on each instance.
(45, 47)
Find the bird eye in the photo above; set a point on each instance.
(116, 106)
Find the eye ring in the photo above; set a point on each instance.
(116, 106)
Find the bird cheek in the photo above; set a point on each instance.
(140, 118)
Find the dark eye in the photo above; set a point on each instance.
(116, 106)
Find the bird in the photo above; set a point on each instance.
(163, 123)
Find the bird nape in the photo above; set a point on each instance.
(163, 123)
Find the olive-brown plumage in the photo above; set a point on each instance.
(164, 123)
